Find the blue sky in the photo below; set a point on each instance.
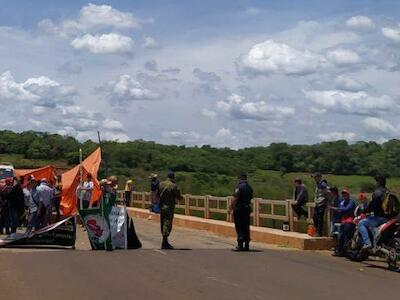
(225, 73)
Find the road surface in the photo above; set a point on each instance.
(203, 268)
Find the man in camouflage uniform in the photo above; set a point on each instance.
(168, 194)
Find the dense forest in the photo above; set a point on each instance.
(341, 158)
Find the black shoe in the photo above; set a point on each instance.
(238, 249)
(246, 247)
(337, 254)
(167, 246)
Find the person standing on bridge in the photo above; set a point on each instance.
(241, 207)
(300, 198)
(168, 193)
(322, 197)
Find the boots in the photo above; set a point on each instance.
(246, 246)
(239, 247)
(166, 245)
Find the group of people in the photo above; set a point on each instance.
(343, 210)
(29, 204)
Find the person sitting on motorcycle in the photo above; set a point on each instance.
(362, 206)
(374, 208)
(346, 213)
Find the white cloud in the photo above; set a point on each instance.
(377, 125)
(113, 125)
(343, 57)
(271, 57)
(126, 89)
(92, 18)
(150, 43)
(40, 91)
(362, 23)
(237, 108)
(392, 33)
(104, 44)
(334, 136)
(351, 102)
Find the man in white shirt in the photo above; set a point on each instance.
(84, 192)
(46, 194)
(32, 199)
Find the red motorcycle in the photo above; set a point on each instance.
(385, 243)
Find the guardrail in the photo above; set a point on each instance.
(265, 213)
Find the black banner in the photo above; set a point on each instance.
(62, 233)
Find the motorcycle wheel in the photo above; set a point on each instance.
(354, 247)
(394, 255)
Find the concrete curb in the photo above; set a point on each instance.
(258, 234)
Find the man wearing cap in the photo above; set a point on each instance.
(168, 193)
(46, 194)
(241, 207)
(154, 185)
(346, 212)
(300, 198)
(322, 198)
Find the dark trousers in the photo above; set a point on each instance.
(14, 218)
(299, 210)
(56, 205)
(318, 218)
(345, 234)
(5, 220)
(241, 218)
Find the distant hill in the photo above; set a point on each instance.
(208, 170)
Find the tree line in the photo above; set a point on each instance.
(338, 157)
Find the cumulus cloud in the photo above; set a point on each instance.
(150, 43)
(343, 57)
(238, 108)
(126, 89)
(360, 103)
(104, 43)
(377, 125)
(40, 91)
(92, 18)
(171, 70)
(361, 23)
(271, 57)
(392, 33)
(334, 136)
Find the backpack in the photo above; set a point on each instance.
(390, 205)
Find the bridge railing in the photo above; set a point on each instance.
(265, 213)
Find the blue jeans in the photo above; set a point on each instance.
(370, 222)
(32, 221)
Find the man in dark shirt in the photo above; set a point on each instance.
(300, 198)
(377, 216)
(241, 207)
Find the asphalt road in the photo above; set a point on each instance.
(203, 268)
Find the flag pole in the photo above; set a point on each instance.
(80, 178)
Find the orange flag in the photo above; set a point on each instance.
(70, 181)
(47, 172)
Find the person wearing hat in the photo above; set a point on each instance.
(321, 199)
(129, 188)
(154, 185)
(46, 194)
(346, 211)
(168, 193)
(300, 198)
(241, 207)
